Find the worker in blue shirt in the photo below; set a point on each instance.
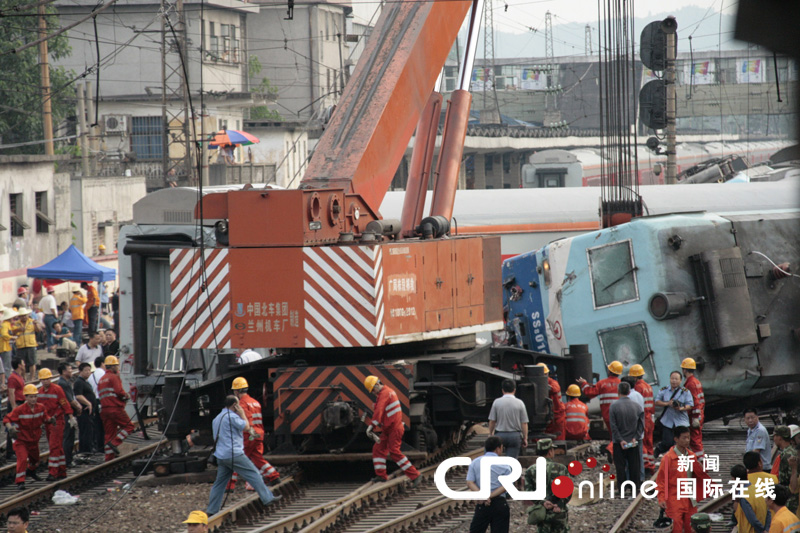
(676, 401)
(229, 451)
(494, 511)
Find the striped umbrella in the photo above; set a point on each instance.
(232, 138)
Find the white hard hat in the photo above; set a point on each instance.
(795, 429)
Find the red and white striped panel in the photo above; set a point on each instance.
(200, 318)
(343, 296)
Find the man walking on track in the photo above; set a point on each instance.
(388, 415)
(53, 399)
(254, 442)
(697, 413)
(25, 426)
(116, 423)
(641, 386)
(508, 419)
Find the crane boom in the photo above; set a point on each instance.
(376, 116)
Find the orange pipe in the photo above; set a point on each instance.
(450, 153)
(420, 169)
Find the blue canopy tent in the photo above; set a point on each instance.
(73, 265)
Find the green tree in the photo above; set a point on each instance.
(20, 80)
(264, 90)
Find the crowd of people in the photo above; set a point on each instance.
(765, 495)
(87, 405)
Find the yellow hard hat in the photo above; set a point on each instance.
(573, 390)
(546, 368)
(197, 517)
(45, 373)
(615, 367)
(689, 363)
(370, 383)
(29, 389)
(239, 383)
(636, 371)
(111, 361)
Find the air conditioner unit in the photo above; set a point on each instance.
(115, 123)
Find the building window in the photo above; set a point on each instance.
(613, 274)
(146, 137)
(214, 40)
(18, 225)
(43, 222)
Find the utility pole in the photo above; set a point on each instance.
(588, 40)
(83, 138)
(669, 26)
(551, 113)
(175, 95)
(44, 65)
(94, 130)
(489, 116)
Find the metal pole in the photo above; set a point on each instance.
(672, 169)
(94, 145)
(47, 110)
(83, 137)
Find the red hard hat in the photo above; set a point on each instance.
(21, 290)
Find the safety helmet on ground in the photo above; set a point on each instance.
(615, 367)
(239, 383)
(636, 371)
(573, 390)
(689, 364)
(29, 389)
(111, 361)
(546, 368)
(370, 383)
(45, 373)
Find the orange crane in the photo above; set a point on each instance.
(317, 266)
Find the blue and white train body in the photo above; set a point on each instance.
(662, 288)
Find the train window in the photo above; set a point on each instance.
(613, 274)
(630, 345)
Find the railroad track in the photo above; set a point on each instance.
(338, 506)
(725, 441)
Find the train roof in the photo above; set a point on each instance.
(499, 207)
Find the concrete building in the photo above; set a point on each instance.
(284, 146)
(307, 58)
(98, 215)
(131, 117)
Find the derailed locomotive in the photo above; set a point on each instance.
(721, 289)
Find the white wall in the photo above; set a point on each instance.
(97, 201)
(275, 144)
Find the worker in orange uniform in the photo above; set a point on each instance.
(387, 416)
(556, 427)
(116, 423)
(697, 413)
(53, 399)
(605, 390)
(76, 304)
(92, 307)
(642, 387)
(24, 424)
(254, 440)
(680, 510)
(576, 424)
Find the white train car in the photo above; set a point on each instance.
(528, 219)
(559, 168)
